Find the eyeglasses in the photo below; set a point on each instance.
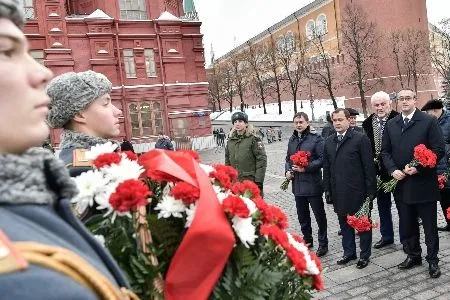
(405, 98)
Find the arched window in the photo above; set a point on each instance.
(310, 28)
(321, 25)
(281, 43)
(289, 41)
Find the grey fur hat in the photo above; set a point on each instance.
(12, 9)
(72, 92)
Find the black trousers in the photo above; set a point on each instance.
(348, 240)
(304, 217)
(445, 202)
(428, 213)
(385, 212)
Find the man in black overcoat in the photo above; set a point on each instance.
(374, 127)
(417, 190)
(349, 178)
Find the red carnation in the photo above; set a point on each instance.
(246, 188)
(300, 158)
(318, 282)
(298, 238)
(442, 180)
(185, 192)
(424, 156)
(261, 204)
(235, 206)
(222, 177)
(277, 235)
(274, 215)
(129, 195)
(107, 159)
(130, 155)
(448, 213)
(298, 260)
(230, 171)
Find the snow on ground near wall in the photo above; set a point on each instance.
(287, 107)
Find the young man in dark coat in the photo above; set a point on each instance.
(374, 127)
(349, 178)
(417, 188)
(436, 108)
(307, 182)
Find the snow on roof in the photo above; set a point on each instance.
(98, 14)
(167, 16)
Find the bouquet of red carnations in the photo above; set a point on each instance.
(360, 221)
(422, 156)
(185, 230)
(300, 159)
(442, 180)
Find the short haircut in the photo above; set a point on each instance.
(407, 89)
(301, 115)
(380, 96)
(346, 112)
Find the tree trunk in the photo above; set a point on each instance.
(363, 102)
(231, 106)
(295, 104)
(279, 96)
(333, 99)
(220, 106)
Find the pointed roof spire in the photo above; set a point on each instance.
(189, 10)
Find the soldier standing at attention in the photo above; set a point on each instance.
(37, 226)
(245, 151)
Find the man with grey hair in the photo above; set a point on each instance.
(374, 127)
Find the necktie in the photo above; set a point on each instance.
(405, 121)
(340, 137)
(382, 124)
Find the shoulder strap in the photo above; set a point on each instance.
(11, 259)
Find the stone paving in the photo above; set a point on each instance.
(381, 279)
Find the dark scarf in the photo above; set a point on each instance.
(73, 140)
(34, 177)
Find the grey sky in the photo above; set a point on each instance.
(228, 23)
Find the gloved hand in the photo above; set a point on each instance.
(328, 198)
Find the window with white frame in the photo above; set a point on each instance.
(321, 25)
(129, 64)
(310, 28)
(150, 62)
(281, 43)
(28, 7)
(289, 41)
(133, 10)
(38, 56)
(145, 118)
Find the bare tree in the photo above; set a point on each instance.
(322, 73)
(257, 60)
(273, 68)
(228, 85)
(409, 51)
(360, 42)
(238, 63)
(292, 56)
(214, 78)
(440, 52)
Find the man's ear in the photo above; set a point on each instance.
(79, 118)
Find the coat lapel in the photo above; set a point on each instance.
(415, 117)
(347, 136)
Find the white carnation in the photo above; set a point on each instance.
(250, 205)
(89, 184)
(245, 230)
(99, 149)
(207, 168)
(190, 212)
(126, 169)
(169, 206)
(311, 265)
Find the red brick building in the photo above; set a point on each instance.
(151, 50)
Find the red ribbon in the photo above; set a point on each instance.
(204, 250)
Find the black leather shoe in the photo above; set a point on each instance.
(405, 249)
(444, 228)
(362, 263)
(409, 262)
(346, 259)
(434, 270)
(322, 251)
(381, 243)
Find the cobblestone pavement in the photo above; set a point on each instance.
(381, 279)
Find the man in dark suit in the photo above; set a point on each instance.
(417, 189)
(374, 127)
(349, 178)
(353, 125)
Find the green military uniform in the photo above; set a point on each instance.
(246, 154)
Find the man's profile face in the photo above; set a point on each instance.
(352, 120)
(340, 122)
